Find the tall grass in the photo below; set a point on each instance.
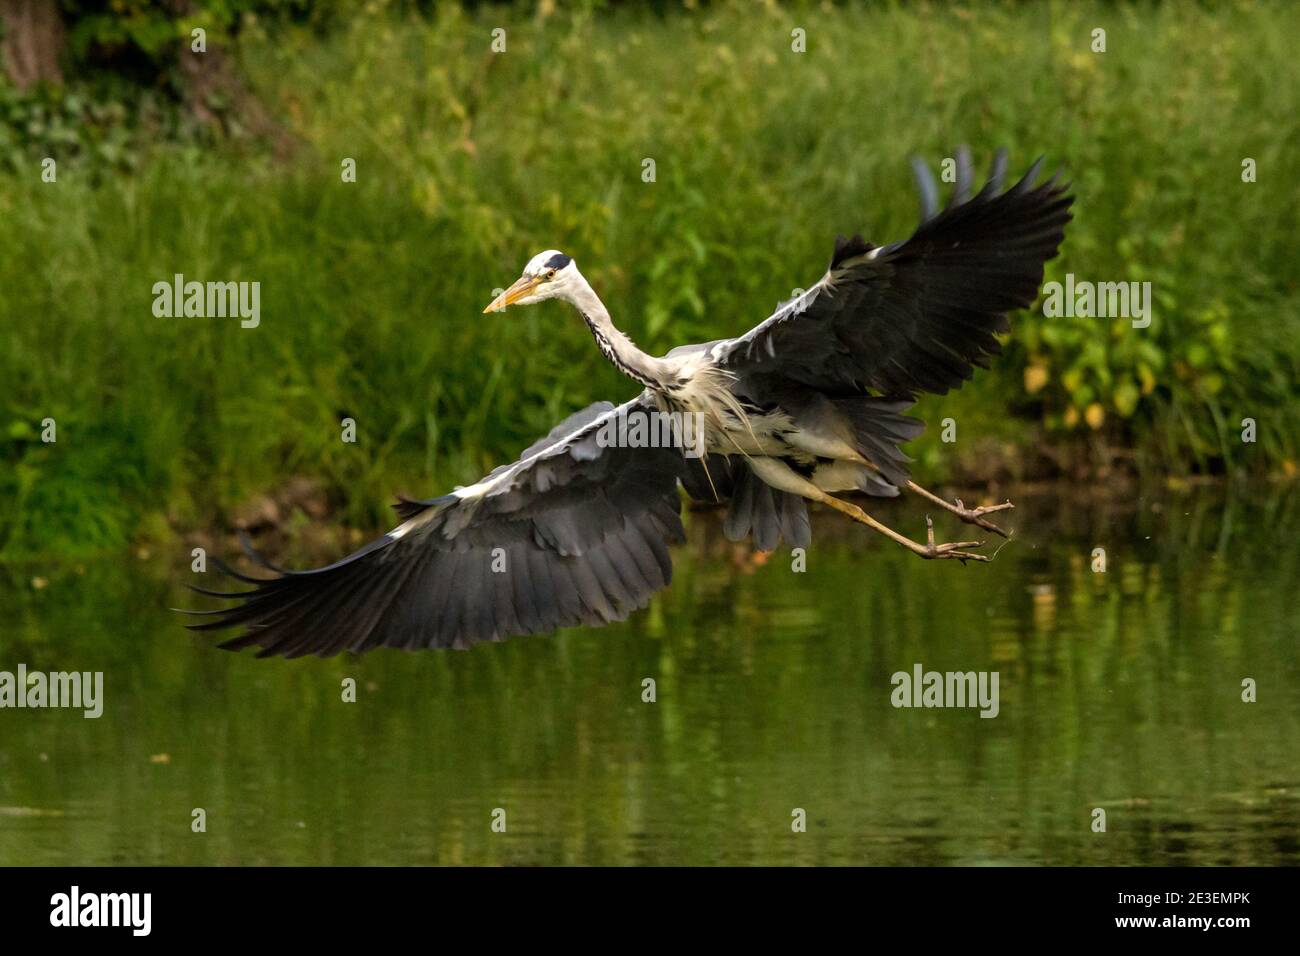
(469, 162)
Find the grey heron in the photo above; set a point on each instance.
(805, 406)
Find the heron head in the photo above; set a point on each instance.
(548, 275)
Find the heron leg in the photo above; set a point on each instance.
(973, 516)
(929, 550)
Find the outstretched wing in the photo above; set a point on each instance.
(914, 316)
(572, 533)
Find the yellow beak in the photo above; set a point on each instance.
(523, 285)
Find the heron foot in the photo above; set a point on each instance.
(930, 550)
(950, 549)
(973, 516)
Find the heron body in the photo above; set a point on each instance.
(808, 404)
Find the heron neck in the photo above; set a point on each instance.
(617, 347)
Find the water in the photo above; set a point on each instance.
(1119, 690)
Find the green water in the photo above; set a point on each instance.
(1119, 690)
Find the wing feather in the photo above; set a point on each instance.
(584, 531)
(919, 315)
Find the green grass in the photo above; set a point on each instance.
(469, 163)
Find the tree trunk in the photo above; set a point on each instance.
(212, 75)
(33, 41)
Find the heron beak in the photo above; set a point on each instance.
(523, 285)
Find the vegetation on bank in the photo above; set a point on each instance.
(469, 161)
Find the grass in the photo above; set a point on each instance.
(468, 162)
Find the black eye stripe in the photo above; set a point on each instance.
(558, 261)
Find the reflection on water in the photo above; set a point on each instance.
(1119, 690)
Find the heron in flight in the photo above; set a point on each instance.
(807, 405)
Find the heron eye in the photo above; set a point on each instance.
(551, 274)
